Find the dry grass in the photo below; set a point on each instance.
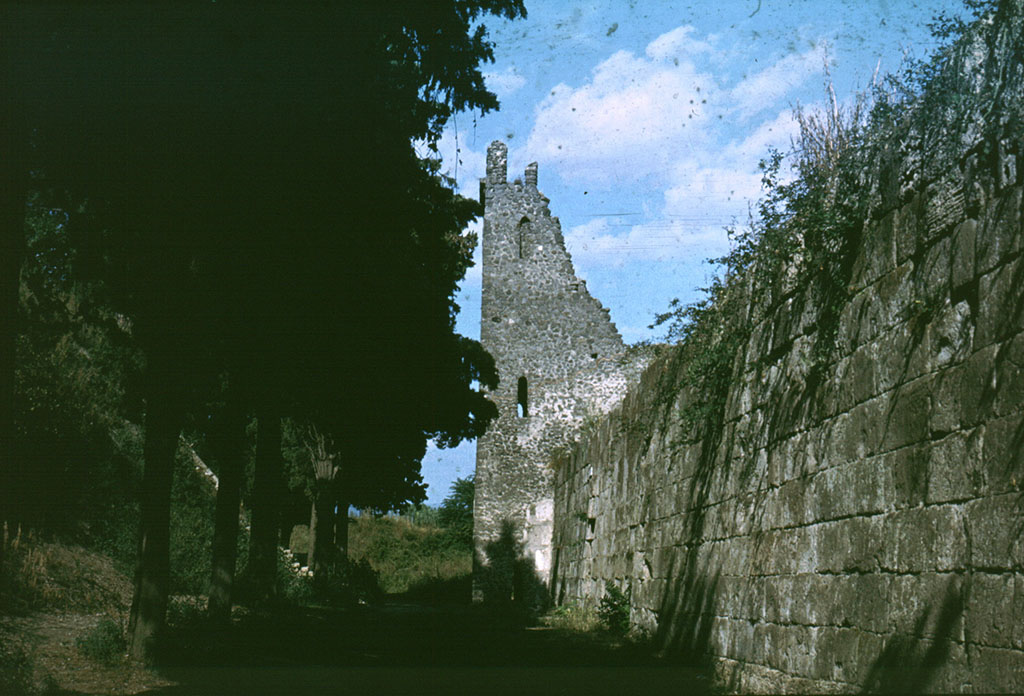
(44, 576)
(59, 605)
(573, 617)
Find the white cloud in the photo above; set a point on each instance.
(599, 244)
(766, 88)
(639, 116)
(636, 113)
(657, 118)
(777, 133)
(677, 43)
(721, 192)
(506, 82)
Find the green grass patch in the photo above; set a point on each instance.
(409, 557)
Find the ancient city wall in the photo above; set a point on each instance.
(865, 529)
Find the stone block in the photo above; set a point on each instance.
(950, 335)
(909, 470)
(907, 227)
(1000, 237)
(931, 285)
(866, 432)
(991, 617)
(977, 386)
(853, 330)
(870, 487)
(895, 295)
(944, 416)
(1000, 304)
(852, 545)
(865, 601)
(877, 255)
(797, 655)
(906, 421)
(824, 500)
(962, 266)
(955, 471)
(926, 605)
(903, 354)
(1009, 377)
(996, 670)
(925, 539)
(1003, 455)
(1018, 611)
(862, 375)
(844, 654)
(993, 524)
(793, 503)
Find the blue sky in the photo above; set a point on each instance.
(648, 119)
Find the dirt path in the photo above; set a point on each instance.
(389, 649)
(60, 668)
(408, 649)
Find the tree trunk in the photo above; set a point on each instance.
(321, 550)
(230, 448)
(266, 495)
(152, 575)
(311, 541)
(341, 528)
(12, 248)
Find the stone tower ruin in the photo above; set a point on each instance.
(560, 360)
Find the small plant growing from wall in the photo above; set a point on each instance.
(614, 609)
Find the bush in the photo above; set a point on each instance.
(614, 609)
(193, 501)
(573, 617)
(351, 582)
(105, 643)
(456, 512)
(293, 587)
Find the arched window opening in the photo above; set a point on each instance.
(521, 399)
(523, 236)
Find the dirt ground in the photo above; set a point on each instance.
(388, 649)
(60, 667)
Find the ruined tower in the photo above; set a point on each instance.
(559, 359)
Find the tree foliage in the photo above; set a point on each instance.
(260, 212)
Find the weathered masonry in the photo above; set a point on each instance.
(861, 527)
(560, 359)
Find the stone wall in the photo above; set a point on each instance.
(560, 360)
(866, 530)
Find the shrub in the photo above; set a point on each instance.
(192, 513)
(105, 643)
(351, 582)
(293, 587)
(614, 609)
(573, 617)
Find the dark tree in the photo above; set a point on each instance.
(257, 163)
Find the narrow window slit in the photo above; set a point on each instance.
(522, 409)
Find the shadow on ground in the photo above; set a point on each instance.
(408, 648)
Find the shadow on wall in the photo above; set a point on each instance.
(908, 662)
(508, 579)
(687, 608)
